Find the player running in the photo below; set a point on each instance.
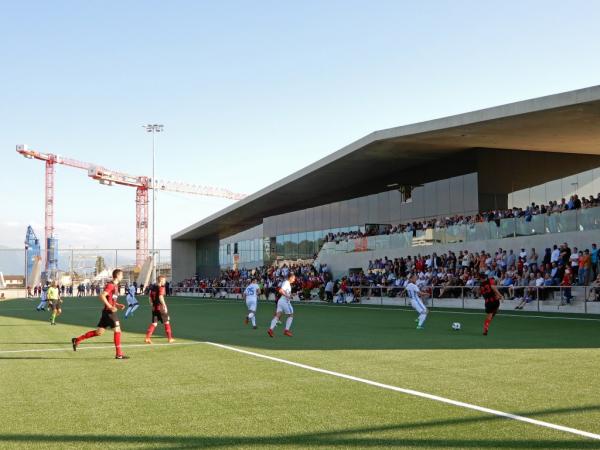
(109, 318)
(54, 302)
(43, 299)
(159, 310)
(492, 297)
(132, 303)
(414, 293)
(251, 293)
(284, 306)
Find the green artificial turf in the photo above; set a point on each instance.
(201, 396)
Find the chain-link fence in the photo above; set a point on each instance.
(77, 266)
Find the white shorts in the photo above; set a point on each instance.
(251, 304)
(418, 306)
(284, 306)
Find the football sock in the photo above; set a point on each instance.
(422, 318)
(288, 323)
(274, 323)
(168, 330)
(486, 324)
(53, 317)
(118, 343)
(150, 330)
(89, 334)
(253, 320)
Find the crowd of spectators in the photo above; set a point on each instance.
(525, 275)
(574, 203)
(269, 278)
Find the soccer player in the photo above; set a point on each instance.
(132, 303)
(109, 318)
(492, 297)
(159, 310)
(251, 293)
(414, 293)
(284, 306)
(55, 302)
(43, 299)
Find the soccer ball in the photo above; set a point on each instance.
(456, 326)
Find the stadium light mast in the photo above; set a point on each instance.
(154, 128)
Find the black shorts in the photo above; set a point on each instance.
(159, 316)
(108, 320)
(492, 306)
(56, 304)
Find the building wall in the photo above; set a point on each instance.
(457, 195)
(183, 259)
(207, 257)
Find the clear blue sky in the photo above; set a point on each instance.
(249, 91)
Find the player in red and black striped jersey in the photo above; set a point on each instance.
(159, 310)
(109, 318)
(492, 298)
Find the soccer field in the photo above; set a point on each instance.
(364, 378)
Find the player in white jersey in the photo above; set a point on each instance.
(251, 293)
(132, 303)
(43, 300)
(414, 293)
(284, 306)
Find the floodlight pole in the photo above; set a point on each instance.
(153, 128)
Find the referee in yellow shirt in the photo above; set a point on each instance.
(55, 302)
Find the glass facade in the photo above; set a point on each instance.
(583, 184)
(256, 252)
(244, 253)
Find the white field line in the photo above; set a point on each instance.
(395, 308)
(414, 393)
(344, 376)
(96, 347)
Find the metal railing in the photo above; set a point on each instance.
(575, 220)
(576, 299)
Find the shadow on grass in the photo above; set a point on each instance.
(323, 327)
(361, 437)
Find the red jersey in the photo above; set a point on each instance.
(112, 294)
(155, 292)
(486, 289)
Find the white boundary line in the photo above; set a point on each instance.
(96, 347)
(416, 393)
(412, 392)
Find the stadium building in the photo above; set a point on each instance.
(537, 150)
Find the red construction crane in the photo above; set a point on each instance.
(110, 177)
